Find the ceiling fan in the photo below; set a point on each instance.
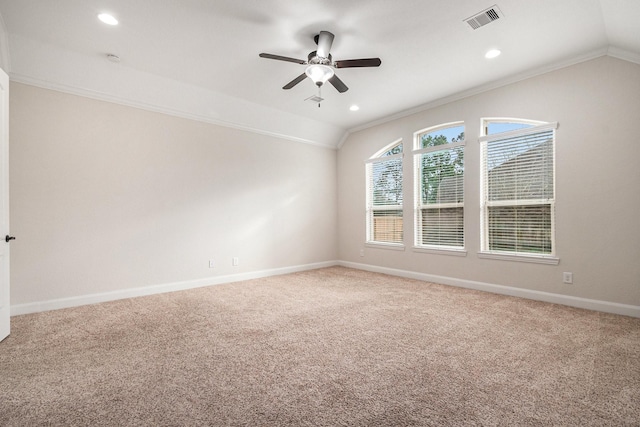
(320, 64)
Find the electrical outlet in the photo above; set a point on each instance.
(212, 264)
(235, 261)
(361, 252)
(567, 277)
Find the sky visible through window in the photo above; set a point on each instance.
(450, 133)
(498, 127)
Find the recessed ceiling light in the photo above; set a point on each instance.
(108, 19)
(493, 53)
(354, 108)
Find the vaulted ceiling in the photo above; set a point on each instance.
(199, 58)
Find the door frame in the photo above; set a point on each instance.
(5, 302)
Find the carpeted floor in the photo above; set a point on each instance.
(329, 347)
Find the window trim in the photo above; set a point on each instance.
(385, 245)
(378, 154)
(486, 120)
(513, 133)
(385, 158)
(417, 153)
(441, 250)
(550, 259)
(439, 147)
(535, 259)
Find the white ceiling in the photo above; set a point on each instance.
(199, 58)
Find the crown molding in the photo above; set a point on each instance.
(50, 67)
(156, 108)
(100, 96)
(5, 58)
(344, 138)
(483, 88)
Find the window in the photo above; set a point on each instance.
(439, 199)
(384, 196)
(518, 188)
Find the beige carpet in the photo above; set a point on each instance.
(329, 347)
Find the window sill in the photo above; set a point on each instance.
(380, 245)
(440, 251)
(536, 259)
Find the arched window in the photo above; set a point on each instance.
(439, 199)
(518, 188)
(384, 195)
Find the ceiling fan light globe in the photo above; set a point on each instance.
(319, 73)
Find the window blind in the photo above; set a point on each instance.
(384, 201)
(440, 209)
(518, 191)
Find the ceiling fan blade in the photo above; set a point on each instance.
(295, 81)
(325, 40)
(282, 58)
(338, 84)
(352, 63)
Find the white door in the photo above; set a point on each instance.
(4, 205)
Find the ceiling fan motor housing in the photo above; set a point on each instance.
(313, 58)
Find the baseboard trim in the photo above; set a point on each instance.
(56, 304)
(590, 304)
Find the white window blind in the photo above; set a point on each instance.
(518, 191)
(384, 197)
(439, 166)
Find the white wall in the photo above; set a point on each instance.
(597, 105)
(106, 198)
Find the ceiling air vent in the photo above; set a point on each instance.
(485, 17)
